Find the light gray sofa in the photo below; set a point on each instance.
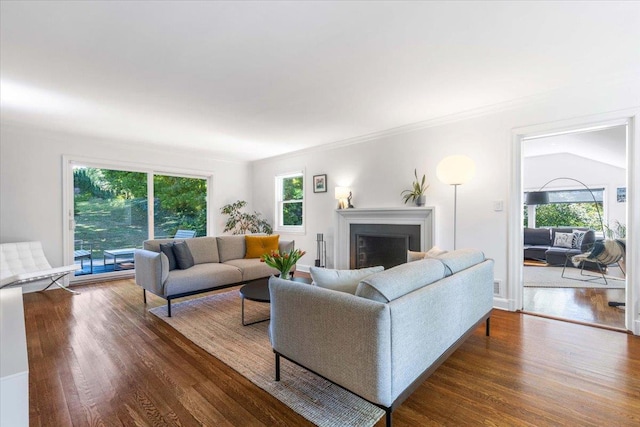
(385, 340)
(219, 263)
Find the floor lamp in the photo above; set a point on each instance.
(455, 170)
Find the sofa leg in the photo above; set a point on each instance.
(277, 366)
(169, 307)
(488, 326)
(144, 295)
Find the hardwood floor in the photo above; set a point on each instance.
(100, 358)
(582, 305)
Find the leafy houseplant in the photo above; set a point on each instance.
(418, 188)
(241, 222)
(618, 231)
(283, 262)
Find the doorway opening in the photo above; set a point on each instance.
(582, 175)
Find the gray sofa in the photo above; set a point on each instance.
(218, 263)
(382, 342)
(539, 244)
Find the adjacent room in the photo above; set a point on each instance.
(330, 213)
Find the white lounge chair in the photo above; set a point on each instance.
(185, 234)
(24, 262)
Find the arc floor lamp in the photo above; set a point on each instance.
(455, 170)
(542, 197)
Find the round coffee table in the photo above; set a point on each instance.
(255, 291)
(258, 290)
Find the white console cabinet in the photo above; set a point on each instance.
(14, 364)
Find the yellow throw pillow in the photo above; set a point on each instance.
(260, 245)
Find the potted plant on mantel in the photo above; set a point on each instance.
(241, 222)
(418, 188)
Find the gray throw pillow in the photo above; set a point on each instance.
(167, 249)
(341, 280)
(184, 259)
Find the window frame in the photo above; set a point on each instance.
(69, 161)
(279, 203)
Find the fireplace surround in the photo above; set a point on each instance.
(422, 217)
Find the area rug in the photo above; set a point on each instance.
(213, 323)
(551, 277)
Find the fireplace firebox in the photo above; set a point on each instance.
(382, 244)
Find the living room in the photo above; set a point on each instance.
(393, 124)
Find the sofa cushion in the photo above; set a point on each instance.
(231, 247)
(461, 259)
(400, 280)
(167, 249)
(260, 245)
(184, 259)
(203, 249)
(154, 244)
(252, 268)
(341, 280)
(434, 252)
(537, 236)
(563, 240)
(201, 276)
(578, 237)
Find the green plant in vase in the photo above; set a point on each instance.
(418, 188)
(283, 262)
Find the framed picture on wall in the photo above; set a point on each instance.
(621, 194)
(320, 183)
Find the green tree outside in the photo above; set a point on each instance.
(567, 214)
(292, 189)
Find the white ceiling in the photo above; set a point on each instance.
(605, 145)
(251, 80)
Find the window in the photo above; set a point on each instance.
(570, 208)
(112, 211)
(290, 202)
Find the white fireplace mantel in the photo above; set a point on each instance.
(422, 216)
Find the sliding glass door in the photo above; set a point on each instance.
(180, 203)
(114, 211)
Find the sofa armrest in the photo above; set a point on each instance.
(345, 338)
(152, 270)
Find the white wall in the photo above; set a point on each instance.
(31, 184)
(379, 169)
(539, 170)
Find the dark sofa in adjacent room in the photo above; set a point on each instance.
(548, 245)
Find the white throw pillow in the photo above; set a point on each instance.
(563, 240)
(341, 280)
(578, 237)
(434, 252)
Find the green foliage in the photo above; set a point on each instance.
(567, 214)
(292, 213)
(293, 188)
(618, 231)
(418, 188)
(179, 202)
(124, 184)
(241, 222)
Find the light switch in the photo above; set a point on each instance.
(498, 205)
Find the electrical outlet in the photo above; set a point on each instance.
(496, 287)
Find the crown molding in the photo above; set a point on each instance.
(460, 116)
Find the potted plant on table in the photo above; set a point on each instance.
(418, 188)
(283, 262)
